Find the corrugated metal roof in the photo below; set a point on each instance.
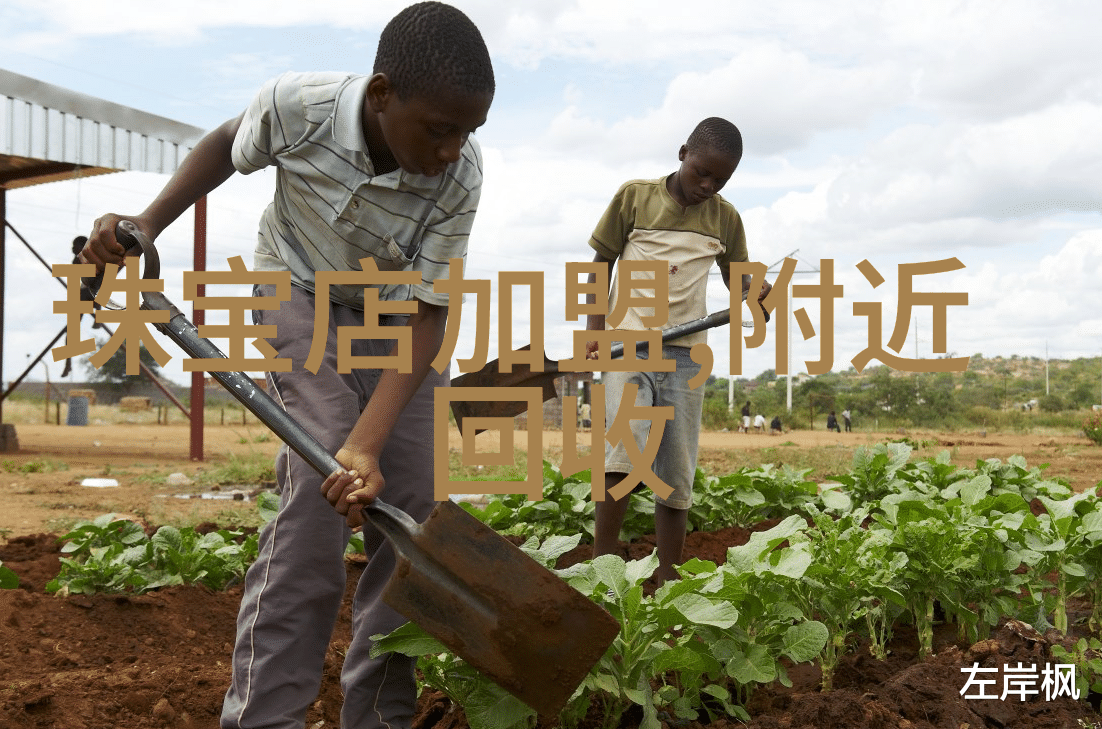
(49, 133)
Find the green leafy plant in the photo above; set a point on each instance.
(8, 579)
(1064, 540)
(749, 495)
(658, 644)
(486, 705)
(937, 559)
(875, 472)
(853, 573)
(110, 555)
(1086, 656)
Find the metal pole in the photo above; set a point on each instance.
(15, 383)
(46, 417)
(198, 378)
(3, 247)
(788, 316)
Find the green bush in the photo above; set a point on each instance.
(1092, 427)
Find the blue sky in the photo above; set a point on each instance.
(893, 132)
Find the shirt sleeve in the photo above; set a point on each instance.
(272, 122)
(611, 234)
(734, 240)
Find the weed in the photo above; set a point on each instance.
(252, 468)
(46, 465)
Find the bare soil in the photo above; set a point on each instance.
(162, 659)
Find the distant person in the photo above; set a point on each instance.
(77, 246)
(586, 416)
(745, 427)
(832, 422)
(775, 426)
(845, 418)
(759, 423)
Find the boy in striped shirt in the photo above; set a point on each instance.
(378, 166)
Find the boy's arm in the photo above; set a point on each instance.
(207, 166)
(363, 480)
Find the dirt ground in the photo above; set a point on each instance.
(162, 659)
(140, 459)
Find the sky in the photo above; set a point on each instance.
(890, 132)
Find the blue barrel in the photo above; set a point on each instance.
(78, 411)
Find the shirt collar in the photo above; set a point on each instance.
(348, 132)
(348, 128)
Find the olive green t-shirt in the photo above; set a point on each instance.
(644, 223)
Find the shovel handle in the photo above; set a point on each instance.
(255, 399)
(130, 237)
(715, 319)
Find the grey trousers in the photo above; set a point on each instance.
(293, 591)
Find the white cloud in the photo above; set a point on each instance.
(890, 132)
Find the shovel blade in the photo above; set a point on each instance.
(498, 609)
(492, 376)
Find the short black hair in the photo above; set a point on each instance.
(718, 134)
(430, 46)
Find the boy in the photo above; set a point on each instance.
(681, 220)
(380, 166)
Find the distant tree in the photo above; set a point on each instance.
(113, 370)
(1051, 403)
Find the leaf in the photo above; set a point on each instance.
(754, 665)
(639, 570)
(975, 489)
(610, 569)
(267, 505)
(836, 500)
(805, 641)
(8, 579)
(700, 610)
(678, 658)
(168, 537)
(408, 639)
(491, 707)
(551, 549)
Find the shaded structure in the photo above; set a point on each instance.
(49, 133)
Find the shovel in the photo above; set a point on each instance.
(498, 609)
(523, 376)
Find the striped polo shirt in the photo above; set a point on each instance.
(330, 209)
(644, 223)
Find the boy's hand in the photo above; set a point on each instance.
(359, 484)
(102, 246)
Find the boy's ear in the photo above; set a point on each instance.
(682, 152)
(379, 92)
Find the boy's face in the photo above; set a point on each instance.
(426, 133)
(703, 173)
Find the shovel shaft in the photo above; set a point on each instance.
(716, 319)
(256, 400)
